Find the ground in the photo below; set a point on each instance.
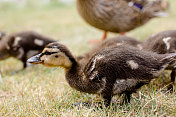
(41, 91)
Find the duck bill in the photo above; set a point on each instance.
(35, 59)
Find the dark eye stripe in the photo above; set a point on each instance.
(48, 53)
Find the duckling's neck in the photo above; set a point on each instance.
(74, 76)
(77, 79)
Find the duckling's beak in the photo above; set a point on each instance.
(35, 59)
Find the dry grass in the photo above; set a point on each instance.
(40, 91)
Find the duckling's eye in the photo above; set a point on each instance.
(47, 53)
(56, 56)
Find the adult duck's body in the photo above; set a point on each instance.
(112, 71)
(119, 15)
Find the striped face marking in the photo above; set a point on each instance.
(49, 51)
(55, 58)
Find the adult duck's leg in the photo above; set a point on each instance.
(173, 73)
(98, 41)
(122, 33)
(104, 36)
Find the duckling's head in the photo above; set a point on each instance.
(54, 55)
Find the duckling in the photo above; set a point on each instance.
(116, 41)
(22, 45)
(162, 43)
(120, 16)
(112, 71)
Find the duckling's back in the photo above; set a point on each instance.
(161, 43)
(126, 62)
(109, 43)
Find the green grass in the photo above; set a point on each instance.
(41, 91)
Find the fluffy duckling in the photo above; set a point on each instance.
(162, 43)
(120, 16)
(118, 70)
(22, 45)
(116, 41)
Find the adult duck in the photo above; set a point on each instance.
(120, 16)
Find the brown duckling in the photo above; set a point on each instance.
(118, 70)
(22, 45)
(116, 41)
(120, 15)
(162, 43)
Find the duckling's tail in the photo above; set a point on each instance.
(169, 61)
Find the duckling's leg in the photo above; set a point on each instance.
(107, 95)
(126, 98)
(107, 100)
(24, 59)
(173, 73)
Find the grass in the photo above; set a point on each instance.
(41, 91)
